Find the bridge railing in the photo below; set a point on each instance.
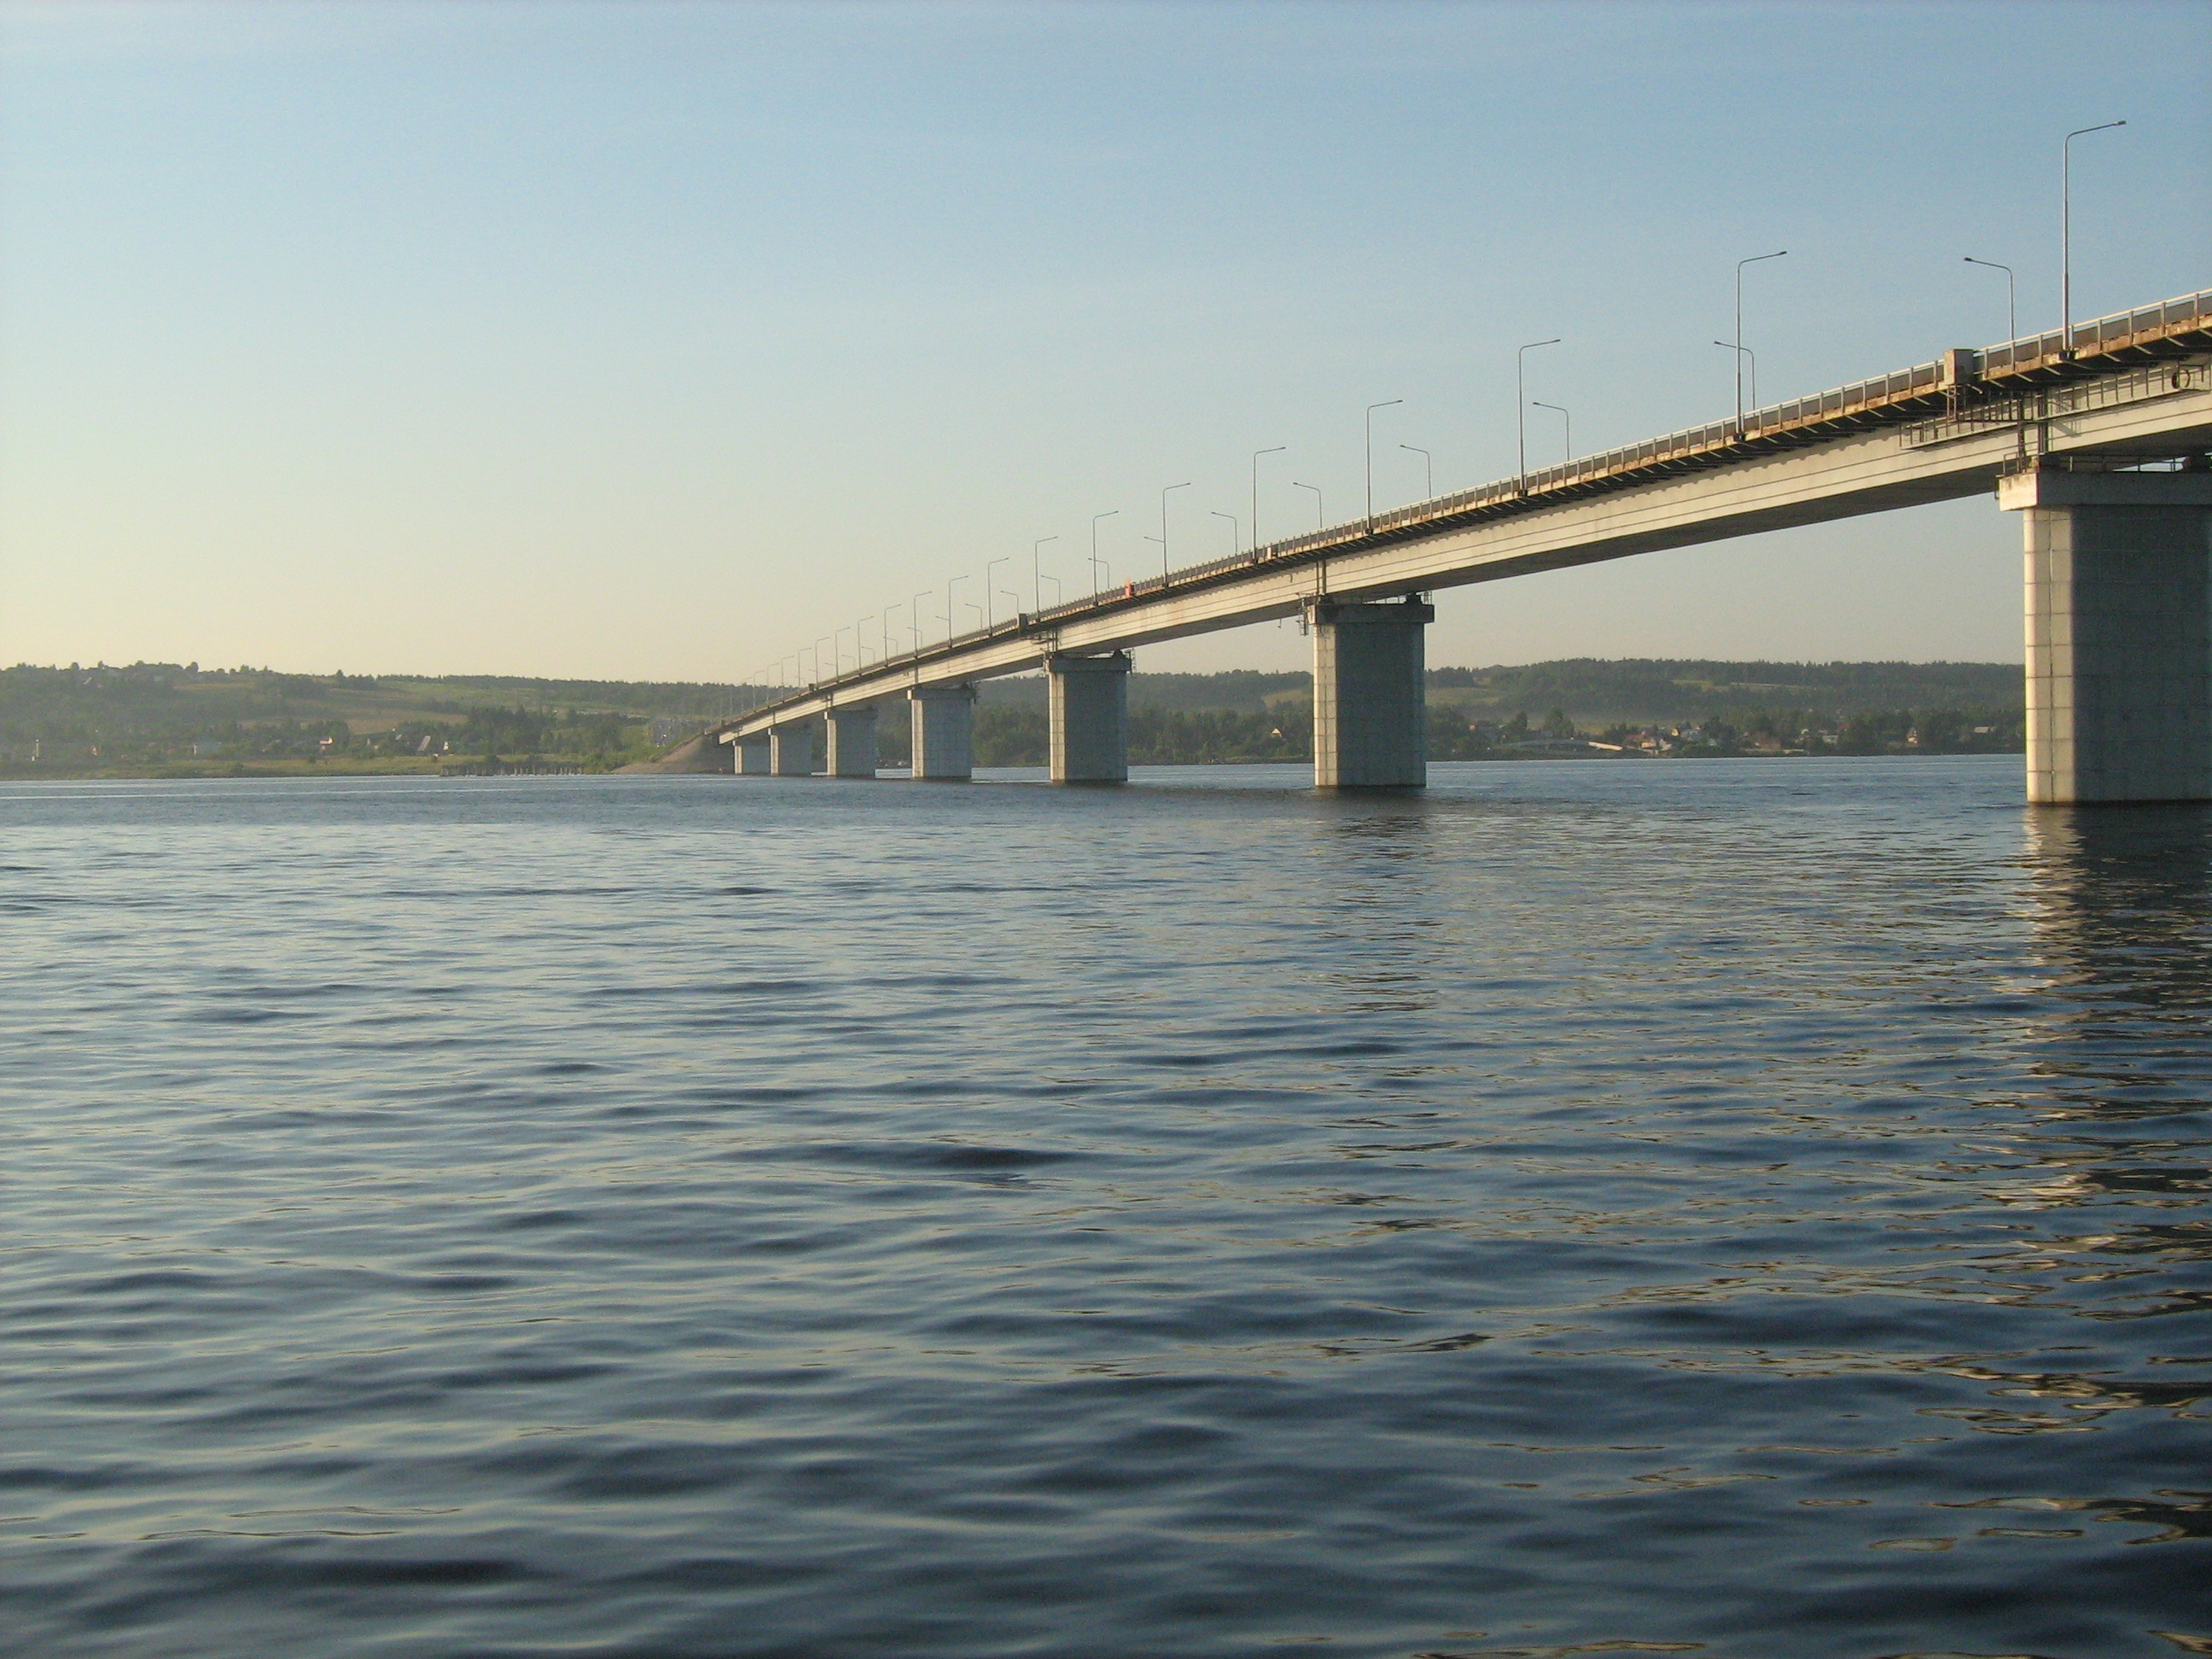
(2167, 317)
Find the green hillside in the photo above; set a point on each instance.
(165, 718)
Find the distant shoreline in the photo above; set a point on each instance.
(246, 773)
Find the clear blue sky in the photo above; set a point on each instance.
(656, 340)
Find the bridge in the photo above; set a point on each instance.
(2099, 435)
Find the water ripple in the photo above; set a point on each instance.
(1733, 1209)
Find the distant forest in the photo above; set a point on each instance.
(181, 720)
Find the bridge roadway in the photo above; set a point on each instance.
(2119, 589)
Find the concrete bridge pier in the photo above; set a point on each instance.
(1088, 699)
(791, 752)
(2119, 634)
(943, 732)
(1370, 712)
(752, 756)
(853, 741)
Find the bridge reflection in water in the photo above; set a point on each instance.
(2122, 917)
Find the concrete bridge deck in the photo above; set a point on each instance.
(2134, 388)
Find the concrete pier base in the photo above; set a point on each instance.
(1369, 713)
(943, 732)
(791, 752)
(2119, 634)
(752, 756)
(1088, 699)
(853, 742)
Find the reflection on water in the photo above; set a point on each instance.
(2123, 901)
(1735, 1209)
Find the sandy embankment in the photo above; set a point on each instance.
(702, 754)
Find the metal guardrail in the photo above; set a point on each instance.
(1990, 367)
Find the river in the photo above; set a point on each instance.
(1730, 1208)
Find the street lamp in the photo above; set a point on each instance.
(1740, 264)
(1429, 471)
(1569, 420)
(2012, 311)
(1371, 408)
(913, 615)
(1185, 484)
(1520, 405)
(1235, 530)
(1319, 518)
(1742, 352)
(948, 605)
(838, 651)
(1037, 572)
(1095, 560)
(1256, 455)
(2066, 229)
(990, 618)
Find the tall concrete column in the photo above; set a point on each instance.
(1369, 713)
(1088, 698)
(791, 752)
(753, 755)
(2119, 634)
(943, 732)
(853, 742)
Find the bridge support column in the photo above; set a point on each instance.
(2119, 634)
(1369, 714)
(752, 758)
(853, 742)
(943, 732)
(1088, 698)
(791, 752)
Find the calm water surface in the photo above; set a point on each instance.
(1731, 1209)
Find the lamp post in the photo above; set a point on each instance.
(913, 615)
(2066, 229)
(990, 618)
(1371, 408)
(1256, 455)
(1742, 352)
(1521, 405)
(1095, 560)
(1569, 420)
(1185, 484)
(1037, 572)
(1740, 264)
(837, 652)
(2012, 311)
(1319, 518)
(948, 605)
(1236, 531)
(886, 625)
(1428, 473)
